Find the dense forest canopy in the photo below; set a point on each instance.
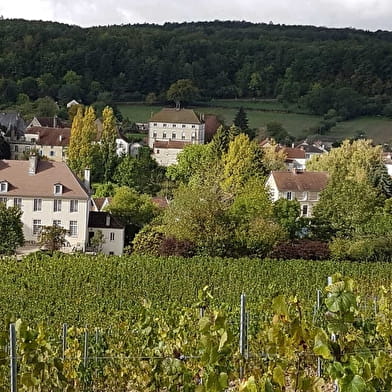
(223, 59)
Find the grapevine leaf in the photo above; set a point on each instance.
(279, 305)
(321, 345)
(204, 324)
(340, 302)
(353, 384)
(223, 340)
(278, 376)
(223, 380)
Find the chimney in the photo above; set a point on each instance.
(60, 138)
(294, 170)
(33, 162)
(87, 178)
(292, 145)
(107, 220)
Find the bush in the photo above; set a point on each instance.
(148, 241)
(301, 249)
(362, 249)
(174, 247)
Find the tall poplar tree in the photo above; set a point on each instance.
(73, 153)
(81, 145)
(108, 144)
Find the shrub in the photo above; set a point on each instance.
(148, 241)
(174, 247)
(301, 249)
(362, 249)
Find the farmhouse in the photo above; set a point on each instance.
(170, 130)
(298, 185)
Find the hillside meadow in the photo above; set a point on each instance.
(260, 113)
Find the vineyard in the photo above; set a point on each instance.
(142, 324)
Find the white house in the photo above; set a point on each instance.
(298, 185)
(112, 229)
(170, 130)
(48, 194)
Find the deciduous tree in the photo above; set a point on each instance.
(11, 229)
(52, 237)
(107, 146)
(182, 91)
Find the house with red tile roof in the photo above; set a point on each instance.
(298, 185)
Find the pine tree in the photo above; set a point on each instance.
(108, 153)
(241, 120)
(221, 140)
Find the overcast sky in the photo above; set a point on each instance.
(361, 14)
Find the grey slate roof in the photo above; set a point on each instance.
(12, 122)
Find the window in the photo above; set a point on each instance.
(27, 148)
(183, 136)
(58, 189)
(73, 207)
(193, 126)
(313, 195)
(57, 205)
(16, 148)
(183, 125)
(57, 222)
(4, 186)
(155, 124)
(164, 135)
(174, 125)
(193, 136)
(73, 228)
(305, 210)
(36, 226)
(300, 195)
(111, 236)
(154, 134)
(37, 205)
(3, 200)
(17, 202)
(157, 152)
(51, 153)
(288, 195)
(164, 125)
(174, 135)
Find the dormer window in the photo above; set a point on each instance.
(58, 189)
(3, 186)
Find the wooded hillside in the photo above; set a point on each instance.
(224, 60)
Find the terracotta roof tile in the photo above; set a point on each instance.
(22, 184)
(180, 116)
(170, 144)
(293, 153)
(300, 181)
(51, 136)
(160, 202)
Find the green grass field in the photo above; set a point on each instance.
(260, 113)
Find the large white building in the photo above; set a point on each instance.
(49, 194)
(170, 130)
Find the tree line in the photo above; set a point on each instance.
(346, 70)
